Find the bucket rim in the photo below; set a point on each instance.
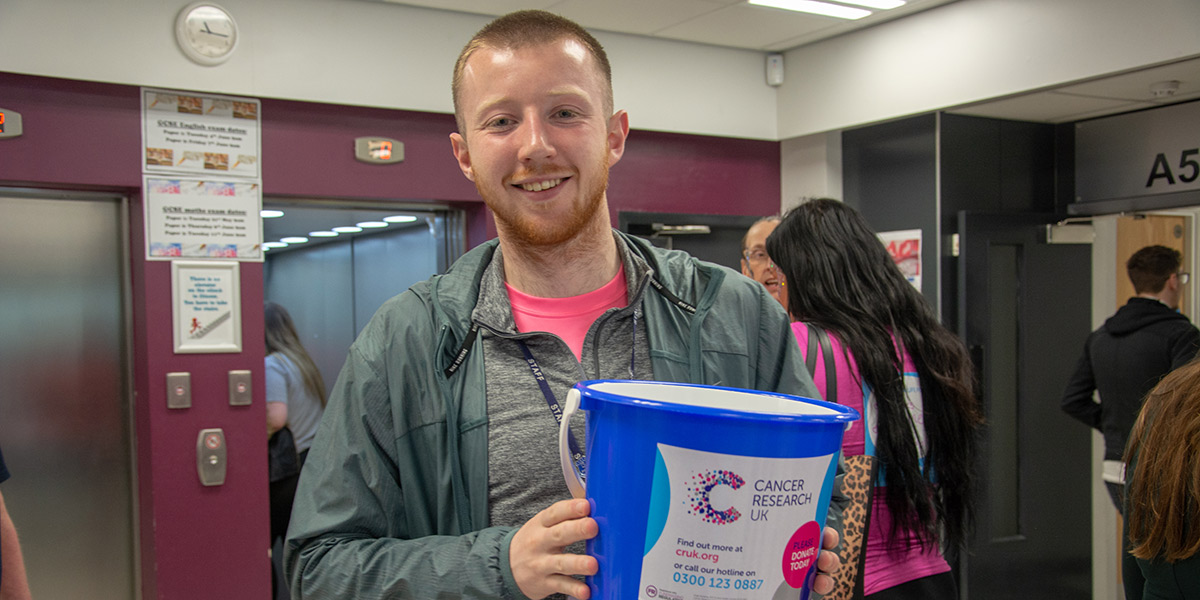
(841, 414)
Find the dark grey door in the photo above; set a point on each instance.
(1024, 311)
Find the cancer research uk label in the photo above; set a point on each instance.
(726, 527)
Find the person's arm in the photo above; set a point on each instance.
(13, 583)
(1077, 399)
(276, 387)
(360, 527)
(277, 416)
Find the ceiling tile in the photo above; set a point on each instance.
(481, 7)
(1136, 85)
(1045, 107)
(843, 26)
(637, 16)
(734, 23)
(1102, 96)
(718, 22)
(1106, 111)
(746, 26)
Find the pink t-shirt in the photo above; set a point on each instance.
(884, 569)
(568, 318)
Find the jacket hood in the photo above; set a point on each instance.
(673, 274)
(1139, 313)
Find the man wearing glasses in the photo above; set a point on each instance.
(757, 265)
(1146, 339)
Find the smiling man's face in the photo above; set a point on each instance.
(536, 139)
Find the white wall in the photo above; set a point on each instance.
(359, 52)
(973, 50)
(368, 53)
(812, 168)
(365, 53)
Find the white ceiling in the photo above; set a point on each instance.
(734, 23)
(1095, 98)
(731, 23)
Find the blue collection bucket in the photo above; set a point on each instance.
(703, 492)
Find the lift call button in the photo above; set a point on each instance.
(210, 456)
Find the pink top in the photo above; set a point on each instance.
(568, 318)
(883, 569)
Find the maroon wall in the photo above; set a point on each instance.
(660, 172)
(672, 172)
(209, 542)
(87, 136)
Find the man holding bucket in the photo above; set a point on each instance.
(437, 457)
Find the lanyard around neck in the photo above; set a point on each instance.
(552, 402)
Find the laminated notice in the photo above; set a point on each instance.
(729, 527)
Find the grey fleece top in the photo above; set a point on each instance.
(394, 500)
(523, 469)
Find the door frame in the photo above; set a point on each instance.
(1105, 529)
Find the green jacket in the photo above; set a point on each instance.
(393, 500)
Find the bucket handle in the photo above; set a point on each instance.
(573, 477)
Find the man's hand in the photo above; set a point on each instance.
(827, 563)
(536, 552)
(541, 568)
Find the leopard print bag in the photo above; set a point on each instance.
(856, 485)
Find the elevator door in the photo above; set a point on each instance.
(64, 410)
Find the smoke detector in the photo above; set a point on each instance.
(1164, 89)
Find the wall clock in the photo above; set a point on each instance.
(206, 33)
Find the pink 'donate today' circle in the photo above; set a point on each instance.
(800, 553)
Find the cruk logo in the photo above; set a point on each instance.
(699, 496)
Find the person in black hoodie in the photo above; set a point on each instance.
(1124, 359)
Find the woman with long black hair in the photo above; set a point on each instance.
(909, 376)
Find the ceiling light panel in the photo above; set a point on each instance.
(879, 4)
(816, 8)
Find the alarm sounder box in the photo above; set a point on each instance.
(774, 70)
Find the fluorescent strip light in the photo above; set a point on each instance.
(372, 224)
(880, 4)
(294, 240)
(270, 214)
(270, 245)
(816, 8)
(323, 233)
(400, 219)
(347, 229)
